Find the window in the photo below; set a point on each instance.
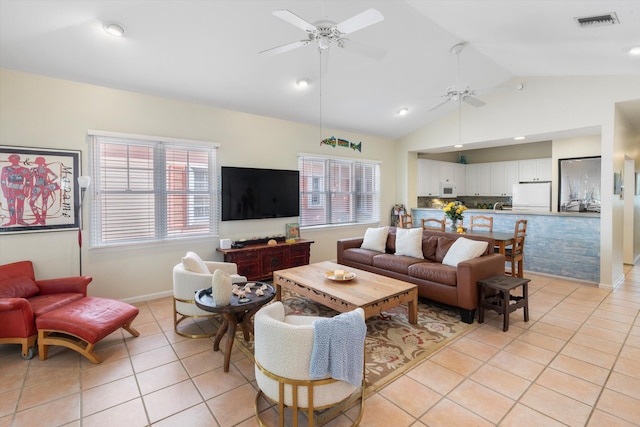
(151, 189)
(338, 191)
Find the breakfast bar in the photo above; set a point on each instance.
(557, 243)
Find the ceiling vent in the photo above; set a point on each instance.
(598, 20)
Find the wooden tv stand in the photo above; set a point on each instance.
(258, 262)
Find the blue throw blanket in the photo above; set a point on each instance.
(338, 348)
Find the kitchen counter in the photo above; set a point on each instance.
(557, 243)
(474, 211)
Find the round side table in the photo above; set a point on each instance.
(238, 312)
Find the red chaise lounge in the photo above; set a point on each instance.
(57, 309)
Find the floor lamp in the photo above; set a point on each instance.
(83, 182)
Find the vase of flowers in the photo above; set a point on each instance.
(455, 212)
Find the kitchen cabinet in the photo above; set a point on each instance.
(478, 179)
(428, 178)
(432, 172)
(534, 170)
(503, 176)
(447, 171)
(460, 178)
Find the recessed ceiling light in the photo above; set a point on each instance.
(518, 138)
(635, 51)
(458, 146)
(302, 83)
(403, 111)
(520, 86)
(114, 29)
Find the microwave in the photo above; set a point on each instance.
(448, 190)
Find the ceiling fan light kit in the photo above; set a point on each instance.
(326, 33)
(457, 93)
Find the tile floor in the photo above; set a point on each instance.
(576, 363)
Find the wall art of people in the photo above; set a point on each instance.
(39, 189)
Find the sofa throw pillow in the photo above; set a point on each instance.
(18, 287)
(409, 242)
(375, 239)
(192, 262)
(463, 250)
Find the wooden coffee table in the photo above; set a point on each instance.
(372, 292)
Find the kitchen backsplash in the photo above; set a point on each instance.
(472, 202)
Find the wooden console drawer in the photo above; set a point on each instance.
(258, 262)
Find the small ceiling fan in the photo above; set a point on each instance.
(456, 93)
(327, 33)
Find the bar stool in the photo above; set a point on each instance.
(501, 302)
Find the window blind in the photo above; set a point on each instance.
(338, 191)
(151, 190)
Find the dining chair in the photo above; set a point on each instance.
(447, 222)
(481, 222)
(433, 223)
(406, 221)
(515, 254)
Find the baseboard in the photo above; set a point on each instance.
(147, 297)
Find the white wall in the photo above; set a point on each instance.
(547, 105)
(50, 113)
(630, 136)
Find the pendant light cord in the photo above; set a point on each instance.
(320, 71)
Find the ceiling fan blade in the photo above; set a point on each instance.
(284, 48)
(359, 21)
(473, 101)
(363, 49)
(440, 104)
(295, 20)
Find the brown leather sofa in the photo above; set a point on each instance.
(455, 286)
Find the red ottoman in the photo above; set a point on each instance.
(88, 320)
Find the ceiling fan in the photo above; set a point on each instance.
(327, 33)
(456, 93)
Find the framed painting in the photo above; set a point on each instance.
(293, 231)
(40, 189)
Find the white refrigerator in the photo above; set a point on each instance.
(532, 196)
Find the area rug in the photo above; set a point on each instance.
(392, 344)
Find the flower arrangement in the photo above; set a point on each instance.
(455, 212)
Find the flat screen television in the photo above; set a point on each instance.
(252, 193)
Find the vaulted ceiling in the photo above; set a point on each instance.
(207, 52)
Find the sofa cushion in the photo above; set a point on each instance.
(18, 287)
(359, 255)
(192, 262)
(409, 242)
(41, 304)
(429, 245)
(391, 241)
(434, 272)
(396, 263)
(444, 243)
(463, 250)
(375, 239)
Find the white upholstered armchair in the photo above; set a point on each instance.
(283, 356)
(186, 282)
